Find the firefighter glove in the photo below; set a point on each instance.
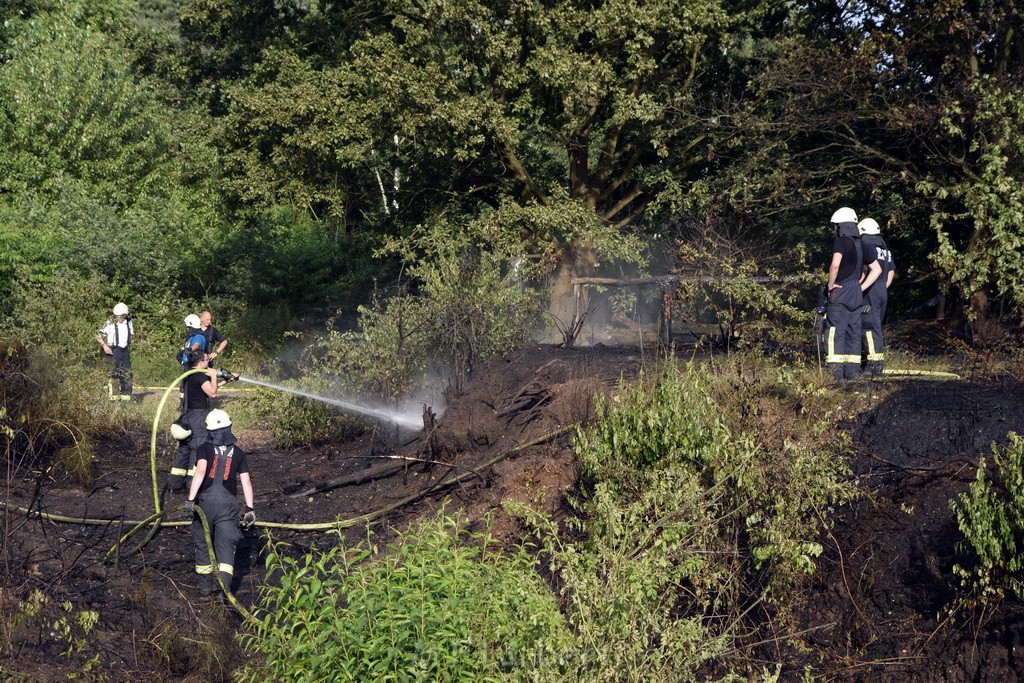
(190, 506)
(249, 518)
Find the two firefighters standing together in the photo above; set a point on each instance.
(859, 275)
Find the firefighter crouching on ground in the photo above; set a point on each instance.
(116, 338)
(197, 390)
(876, 297)
(213, 490)
(846, 295)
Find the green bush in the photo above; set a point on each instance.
(680, 519)
(659, 421)
(736, 289)
(992, 521)
(440, 604)
(798, 474)
(468, 307)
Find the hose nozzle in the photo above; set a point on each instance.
(227, 376)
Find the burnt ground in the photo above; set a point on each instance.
(873, 611)
(886, 576)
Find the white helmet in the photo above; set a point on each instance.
(868, 226)
(192, 320)
(844, 215)
(217, 419)
(120, 309)
(179, 432)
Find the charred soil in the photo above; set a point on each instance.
(874, 610)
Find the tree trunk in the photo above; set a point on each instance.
(568, 304)
(984, 328)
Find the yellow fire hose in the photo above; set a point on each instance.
(897, 372)
(156, 518)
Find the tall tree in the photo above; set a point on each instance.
(449, 104)
(89, 165)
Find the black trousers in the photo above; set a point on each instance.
(221, 510)
(185, 457)
(843, 329)
(877, 298)
(121, 373)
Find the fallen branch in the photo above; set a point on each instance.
(378, 473)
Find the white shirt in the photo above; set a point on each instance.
(118, 333)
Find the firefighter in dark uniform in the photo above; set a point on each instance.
(214, 490)
(215, 340)
(876, 297)
(116, 338)
(846, 284)
(197, 390)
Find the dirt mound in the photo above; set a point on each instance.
(931, 424)
(506, 438)
(528, 404)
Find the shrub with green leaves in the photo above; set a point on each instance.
(439, 604)
(38, 620)
(991, 518)
(467, 307)
(661, 420)
(733, 287)
(678, 516)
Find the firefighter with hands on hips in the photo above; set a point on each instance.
(197, 390)
(847, 282)
(116, 337)
(876, 297)
(215, 341)
(219, 463)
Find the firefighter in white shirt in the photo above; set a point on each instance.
(116, 337)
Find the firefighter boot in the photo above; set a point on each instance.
(207, 585)
(226, 578)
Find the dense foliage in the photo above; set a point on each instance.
(439, 604)
(257, 156)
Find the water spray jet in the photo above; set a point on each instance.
(390, 416)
